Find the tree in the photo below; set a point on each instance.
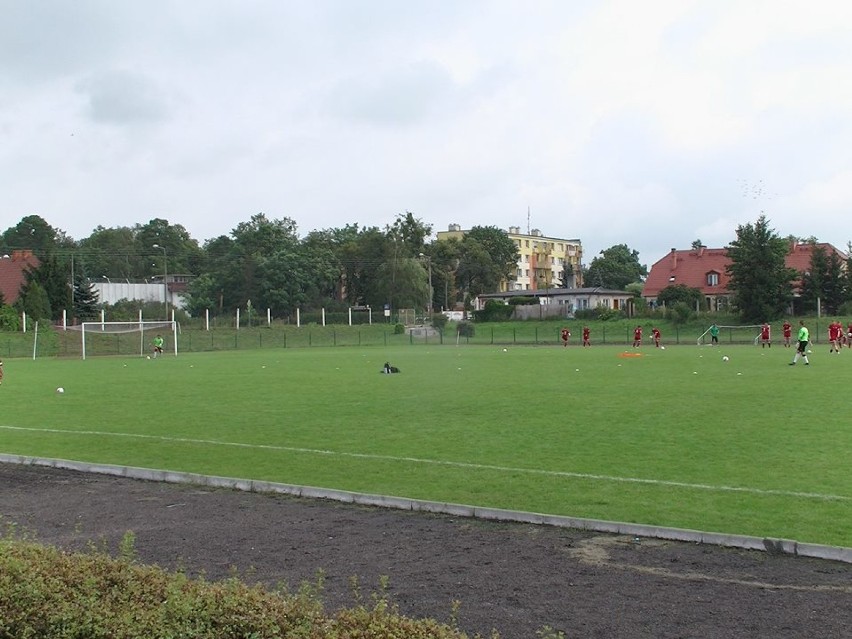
(295, 276)
(403, 283)
(113, 252)
(823, 284)
(411, 231)
(680, 293)
(32, 233)
(53, 281)
(615, 268)
(760, 280)
(84, 297)
(34, 301)
(487, 256)
(444, 256)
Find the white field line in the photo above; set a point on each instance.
(452, 464)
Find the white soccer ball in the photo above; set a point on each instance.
(724, 358)
(60, 390)
(505, 350)
(149, 357)
(662, 348)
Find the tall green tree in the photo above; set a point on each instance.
(52, 280)
(85, 303)
(615, 268)
(114, 253)
(759, 278)
(411, 232)
(34, 302)
(296, 276)
(32, 233)
(487, 256)
(444, 260)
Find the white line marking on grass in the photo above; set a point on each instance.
(438, 462)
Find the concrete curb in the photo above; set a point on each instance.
(775, 546)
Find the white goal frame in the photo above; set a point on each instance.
(755, 340)
(143, 327)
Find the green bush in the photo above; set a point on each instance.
(466, 329)
(45, 592)
(523, 301)
(494, 311)
(598, 314)
(439, 321)
(398, 329)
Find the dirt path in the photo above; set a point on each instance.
(515, 578)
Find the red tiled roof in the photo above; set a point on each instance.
(12, 269)
(691, 268)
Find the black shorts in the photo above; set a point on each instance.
(803, 347)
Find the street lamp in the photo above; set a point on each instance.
(428, 259)
(165, 277)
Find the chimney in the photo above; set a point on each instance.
(674, 259)
(701, 250)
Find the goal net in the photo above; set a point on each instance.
(119, 338)
(748, 334)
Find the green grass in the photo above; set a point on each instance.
(672, 438)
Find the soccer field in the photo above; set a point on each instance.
(675, 437)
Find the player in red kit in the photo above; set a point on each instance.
(565, 334)
(765, 340)
(655, 332)
(835, 332)
(849, 335)
(787, 328)
(637, 337)
(586, 333)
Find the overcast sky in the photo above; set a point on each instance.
(650, 123)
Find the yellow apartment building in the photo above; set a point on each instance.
(541, 259)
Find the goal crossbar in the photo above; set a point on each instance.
(143, 327)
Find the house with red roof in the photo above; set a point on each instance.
(706, 269)
(12, 273)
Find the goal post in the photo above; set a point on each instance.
(745, 334)
(145, 329)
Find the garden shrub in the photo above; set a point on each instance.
(466, 329)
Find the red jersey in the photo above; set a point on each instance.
(565, 334)
(656, 333)
(637, 333)
(834, 331)
(788, 330)
(764, 331)
(586, 333)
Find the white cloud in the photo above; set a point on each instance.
(614, 122)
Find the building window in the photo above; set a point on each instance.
(712, 279)
(527, 243)
(528, 273)
(520, 273)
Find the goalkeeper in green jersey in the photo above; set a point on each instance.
(158, 346)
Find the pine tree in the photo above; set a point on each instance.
(760, 279)
(86, 303)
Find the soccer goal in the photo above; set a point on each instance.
(748, 334)
(93, 331)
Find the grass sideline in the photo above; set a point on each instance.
(672, 438)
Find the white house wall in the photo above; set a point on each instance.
(112, 292)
